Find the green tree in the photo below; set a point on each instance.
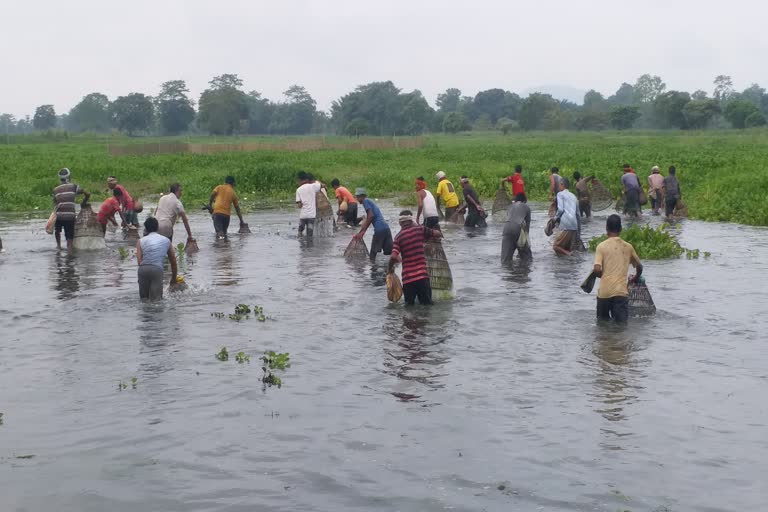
(699, 95)
(496, 103)
(174, 108)
(534, 109)
(379, 103)
(300, 109)
(723, 88)
(507, 125)
(648, 88)
(455, 122)
(91, 114)
(755, 95)
(7, 124)
(449, 101)
(754, 120)
(132, 113)
(698, 113)
(625, 95)
(623, 117)
(223, 107)
(593, 100)
(357, 127)
(668, 109)
(590, 119)
(415, 113)
(260, 112)
(737, 112)
(45, 117)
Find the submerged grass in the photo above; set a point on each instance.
(721, 173)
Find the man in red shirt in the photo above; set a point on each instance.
(518, 185)
(409, 248)
(126, 201)
(109, 208)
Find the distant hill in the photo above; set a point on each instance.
(560, 92)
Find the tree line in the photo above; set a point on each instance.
(381, 108)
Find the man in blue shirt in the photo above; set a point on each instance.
(568, 219)
(382, 236)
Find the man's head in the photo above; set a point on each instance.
(310, 178)
(151, 225)
(420, 183)
(360, 194)
(554, 170)
(111, 182)
(230, 180)
(655, 169)
(576, 176)
(64, 175)
(464, 181)
(613, 225)
(521, 198)
(518, 168)
(117, 193)
(440, 175)
(565, 184)
(672, 170)
(335, 183)
(301, 176)
(406, 218)
(627, 168)
(176, 189)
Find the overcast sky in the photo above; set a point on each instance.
(57, 51)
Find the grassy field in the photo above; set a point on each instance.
(723, 175)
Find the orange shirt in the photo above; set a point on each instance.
(225, 198)
(345, 195)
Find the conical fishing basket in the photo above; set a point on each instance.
(601, 197)
(681, 210)
(501, 206)
(356, 250)
(620, 203)
(324, 220)
(88, 233)
(640, 300)
(323, 206)
(440, 276)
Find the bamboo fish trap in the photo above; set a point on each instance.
(640, 300)
(601, 197)
(501, 205)
(88, 232)
(324, 219)
(356, 250)
(440, 276)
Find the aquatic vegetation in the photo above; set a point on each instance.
(218, 315)
(123, 252)
(242, 309)
(243, 312)
(651, 243)
(717, 170)
(223, 355)
(242, 357)
(276, 361)
(122, 385)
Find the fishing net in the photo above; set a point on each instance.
(601, 197)
(244, 229)
(550, 227)
(191, 247)
(324, 220)
(640, 300)
(619, 203)
(457, 218)
(501, 206)
(440, 276)
(356, 250)
(394, 287)
(681, 210)
(88, 233)
(131, 234)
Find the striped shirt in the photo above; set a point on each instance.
(409, 243)
(64, 197)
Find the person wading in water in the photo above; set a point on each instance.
(409, 248)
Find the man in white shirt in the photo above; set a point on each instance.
(568, 220)
(169, 209)
(306, 200)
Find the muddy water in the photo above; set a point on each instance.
(510, 397)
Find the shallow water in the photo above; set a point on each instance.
(509, 397)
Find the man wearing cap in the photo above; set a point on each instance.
(409, 248)
(382, 236)
(64, 200)
(127, 203)
(220, 205)
(655, 187)
(427, 205)
(447, 193)
(476, 216)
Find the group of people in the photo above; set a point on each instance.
(662, 191)
(357, 210)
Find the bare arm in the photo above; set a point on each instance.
(366, 223)
(237, 210)
(185, 220)
(86, 197)
(139, 255)
(597, 270)
(172, 260)
(393, 261)
(211, 200)
(421, 206)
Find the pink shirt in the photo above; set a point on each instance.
(127, 201)
(656, 181)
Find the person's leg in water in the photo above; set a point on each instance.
(508, 246)
(409, 293)
(670, 207)
(619, 309)
(603, 309)
(310, 228)
(424, 291)
(150, 283)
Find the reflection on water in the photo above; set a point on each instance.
(64, 277)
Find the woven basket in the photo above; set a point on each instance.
(501, 205)
(601, 197)
(394, 287)
(681, 210)
(640, 300)
(356, 250)
(88, 233)
(440, 276)
(323, 206)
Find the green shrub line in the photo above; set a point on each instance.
(722, 175)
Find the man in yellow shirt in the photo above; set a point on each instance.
(447, 193)
(612, 260)
(220, 205)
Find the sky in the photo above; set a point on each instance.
(56, 52)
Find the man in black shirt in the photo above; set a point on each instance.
(476, 216)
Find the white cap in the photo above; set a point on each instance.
(440, 175)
